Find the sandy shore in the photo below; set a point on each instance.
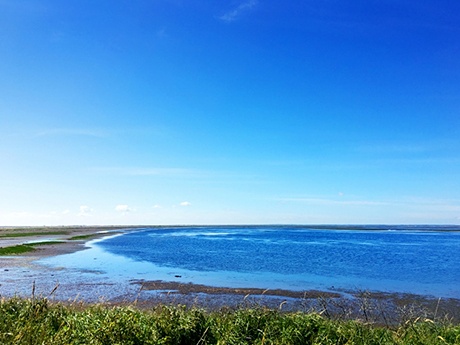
(20, 273)
(10, 236)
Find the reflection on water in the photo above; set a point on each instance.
(277, 257)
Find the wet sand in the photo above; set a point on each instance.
(9, 237)
(21, 273)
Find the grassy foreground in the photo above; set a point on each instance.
(37, 321)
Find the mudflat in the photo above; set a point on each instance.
(47, 241)
(21, 270)
(51, 241)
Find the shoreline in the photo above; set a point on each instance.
(148, 293)
(67, 236)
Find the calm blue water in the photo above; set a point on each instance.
(405, 259)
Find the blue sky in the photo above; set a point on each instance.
(229, 112)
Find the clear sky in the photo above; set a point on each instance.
(229, 112)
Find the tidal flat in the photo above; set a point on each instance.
(23, 275)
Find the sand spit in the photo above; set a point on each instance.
(71, 239)
(66, 236)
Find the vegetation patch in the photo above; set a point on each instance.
(37, 321)
(28, 234)
(18, 249)
(43, 243)
(25, 248)
(82, 237)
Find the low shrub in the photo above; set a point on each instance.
(37, 321)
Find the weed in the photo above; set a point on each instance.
(18, 249)
(25, 247)
(37, 321)
(82, 237)
(29, 234)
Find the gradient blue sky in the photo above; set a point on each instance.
(219, 112)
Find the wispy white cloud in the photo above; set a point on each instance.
(441, 205)
(29, 218)
(23, 7)
(421, 161)
(326, 201)
(395, 148)
(123, 208)
(161, 33)
(409, 147)
(85, 211)
(159, 131)
(411, 207)
(185, 204)
(133, 171)
(232, 15)
(97, 133)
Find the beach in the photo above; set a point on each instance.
(11, 236)
(22, 276)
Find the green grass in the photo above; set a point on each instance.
(82, 237)
(17, 249)
(37, 321)
(37, 233)
(24, 248)
(43, 243)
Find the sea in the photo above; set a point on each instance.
(423, 260)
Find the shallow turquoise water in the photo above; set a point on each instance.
(401, 259)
